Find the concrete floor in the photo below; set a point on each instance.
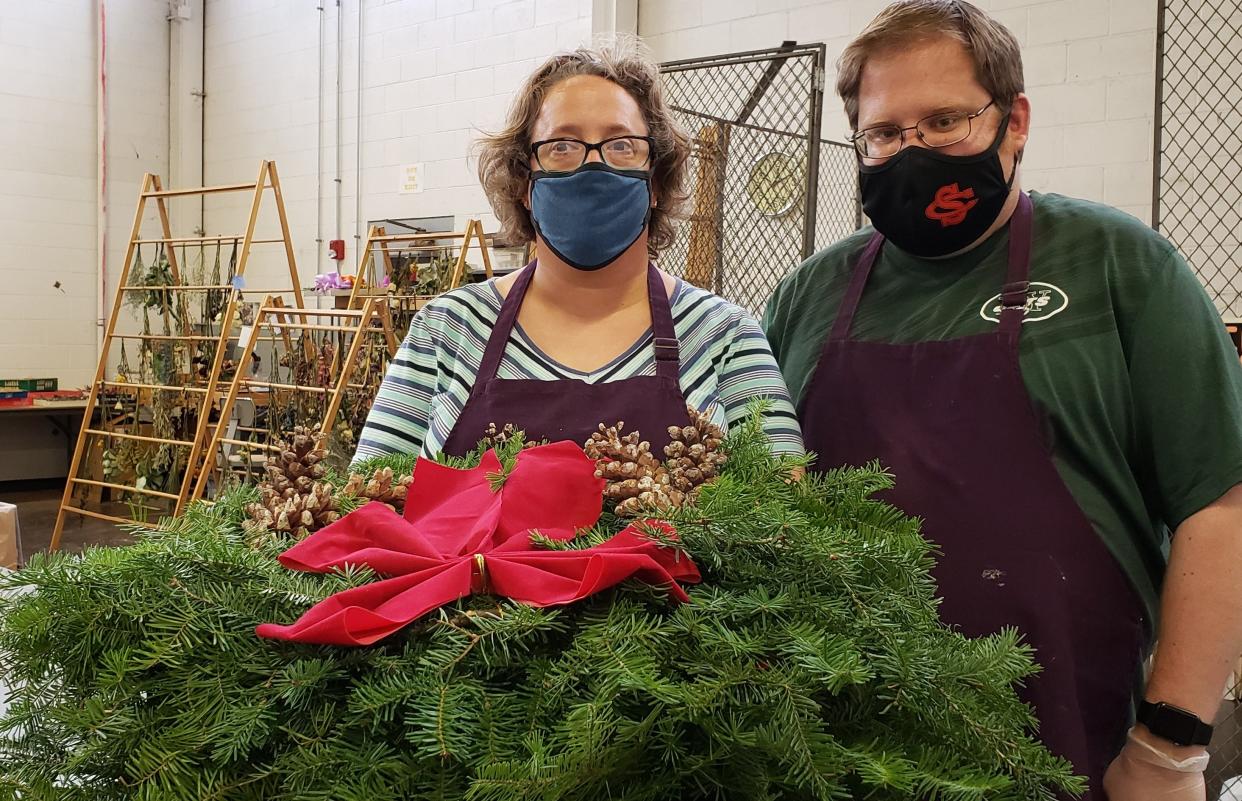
(37, 504)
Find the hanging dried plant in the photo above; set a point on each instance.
(135, 300)
(123, 370)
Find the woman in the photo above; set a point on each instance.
(591, 167)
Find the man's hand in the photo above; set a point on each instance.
(1148, 769)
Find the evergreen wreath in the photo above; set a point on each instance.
(809, 664)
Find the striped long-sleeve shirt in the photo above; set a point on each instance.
(725, 363)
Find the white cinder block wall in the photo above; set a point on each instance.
(52, 220)
(47, 189)
(137, 142)
(1090, 73)
(49, 203)
(433, 73)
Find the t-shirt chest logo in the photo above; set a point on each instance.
(1042, 301)
(951, 205)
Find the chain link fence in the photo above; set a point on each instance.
(1198, 188)
(1197, 204)
(765, 190)
(1224, 773)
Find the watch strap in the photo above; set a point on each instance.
(1174, 724)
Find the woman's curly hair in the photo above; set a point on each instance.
(504, 157)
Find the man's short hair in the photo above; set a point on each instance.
(994, 50)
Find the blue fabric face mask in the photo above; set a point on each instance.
(592, 215)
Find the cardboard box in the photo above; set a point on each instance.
(10, 537)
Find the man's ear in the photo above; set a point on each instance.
(1020, 122)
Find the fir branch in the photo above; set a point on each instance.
(810, 664)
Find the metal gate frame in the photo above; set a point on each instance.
(755, 103)
(776, 58)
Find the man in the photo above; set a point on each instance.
(1052, 389)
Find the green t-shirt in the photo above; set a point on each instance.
(1121, 348)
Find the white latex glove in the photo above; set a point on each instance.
(1145, 772)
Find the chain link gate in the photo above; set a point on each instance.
(1197, 200)
(765, 190)
(1197, 204)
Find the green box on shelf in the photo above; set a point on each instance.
(29, 384)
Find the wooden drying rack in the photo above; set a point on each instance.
(152, 189)
(388, 244)
(357, 324)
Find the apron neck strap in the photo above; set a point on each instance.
(858, 282)
(667, 349)
(1017, 281)
(1013, 294)
(664, 336)
(505, 321)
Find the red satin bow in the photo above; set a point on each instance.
(459, 536)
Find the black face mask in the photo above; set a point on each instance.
(932, 204)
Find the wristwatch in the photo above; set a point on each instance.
(1174, 724)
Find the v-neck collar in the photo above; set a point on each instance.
(638, 344)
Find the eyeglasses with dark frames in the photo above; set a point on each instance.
(565, 154)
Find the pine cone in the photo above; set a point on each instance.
(636, 479)
(617, 457)
(292, 514)
(299, 463)
(655, 496)
(639, 482)
(694, 455)
(293, 501)
(382, 486)
(495, 437)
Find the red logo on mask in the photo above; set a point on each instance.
(951, 205)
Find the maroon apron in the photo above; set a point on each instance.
(954, 423)
(569, 408)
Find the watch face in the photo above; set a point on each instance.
(1176, 725)
(1173, 723)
